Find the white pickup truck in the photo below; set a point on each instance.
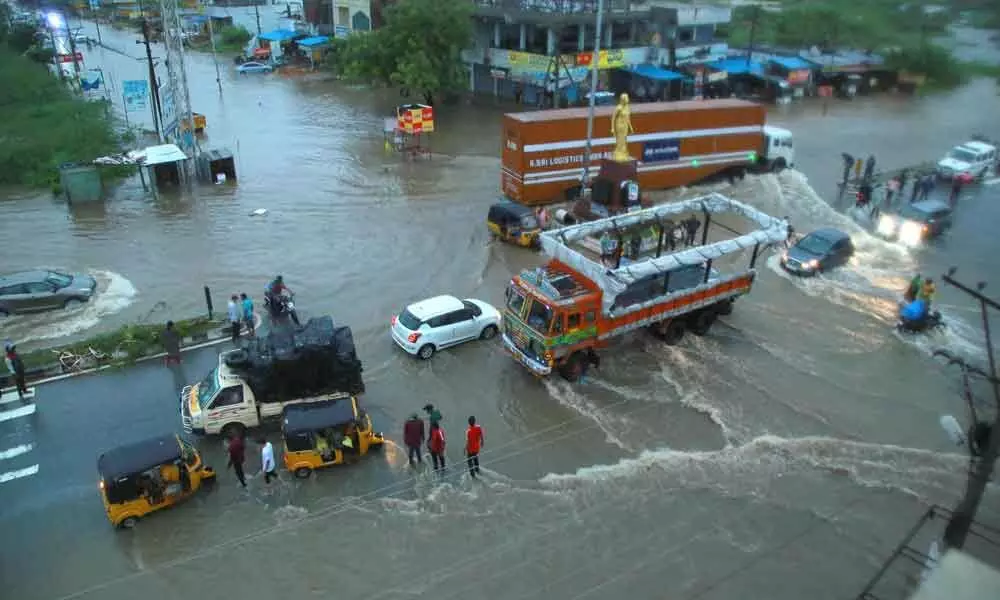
(224, 403)
(252, 385)
(976, 158)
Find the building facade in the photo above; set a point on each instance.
(338, 17)
(540, 50)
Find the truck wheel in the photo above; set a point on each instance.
(128, 522)
(778, 165)
(237, 358)
(574, 368)
(231, 429)
(670, 332)
(303, 472)
(724, 308)
(702, 321)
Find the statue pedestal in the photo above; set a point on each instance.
(617, 172)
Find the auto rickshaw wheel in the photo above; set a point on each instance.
(128, 522)
(303, 472)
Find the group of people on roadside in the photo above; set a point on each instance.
(240, 314)
(917, 299)
(236, 448)
(414, 437)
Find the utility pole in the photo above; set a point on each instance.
(594, 64)
(215, 57)
(753, 32)
(256, 12)
(154, 87)
(958, 527)
(72, 49)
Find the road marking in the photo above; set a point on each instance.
(12, 475)
(993, 181)
(17, 451)
(24, 411)
(10, 395)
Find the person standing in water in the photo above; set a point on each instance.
(474, 441)
(436, 446)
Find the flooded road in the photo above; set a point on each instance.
(781, 456)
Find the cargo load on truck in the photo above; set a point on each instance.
(317, 359)
(673, 144)
(614, 275)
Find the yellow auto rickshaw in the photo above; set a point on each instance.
(200, 123)
(514, 223)
(326, 433)
(147, 476)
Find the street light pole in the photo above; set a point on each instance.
(962, 518)
(594, 63)
(154, 88)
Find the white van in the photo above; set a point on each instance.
(977, 159)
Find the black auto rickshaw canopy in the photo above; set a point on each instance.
(512, 214)
(125, 461)
(304, 418)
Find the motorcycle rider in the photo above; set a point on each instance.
(277, 296)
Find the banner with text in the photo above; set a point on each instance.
(661, 151)
(136, 94)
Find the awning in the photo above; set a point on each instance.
(738, 66)
(311, 42)
(793, 63)
(655, 73)
(278, 35)
(158, 155)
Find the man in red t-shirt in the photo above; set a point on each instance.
(473, 444)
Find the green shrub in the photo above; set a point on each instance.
(234, 35)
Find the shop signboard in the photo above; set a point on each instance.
(799, 76)
(136, 94)
(661, 151)
(608, 59)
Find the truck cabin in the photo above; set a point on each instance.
(550, 301)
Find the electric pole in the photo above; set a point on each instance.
(962, 518)
(215, 57)
(594, 64)
(256, 11)
(154, 87)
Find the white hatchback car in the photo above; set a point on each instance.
(427, 326)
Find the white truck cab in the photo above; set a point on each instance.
(224, 403)
(778, 152)
(976, 159)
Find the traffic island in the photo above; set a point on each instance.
(123, 347)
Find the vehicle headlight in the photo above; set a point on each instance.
(911, 234)
(811, 264)
(886, 225)
(784, 256)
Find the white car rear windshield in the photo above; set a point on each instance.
(408, 320)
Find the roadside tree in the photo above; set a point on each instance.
(419, 48)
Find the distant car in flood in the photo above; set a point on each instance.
(253, 67)
(916, 223)
(36, 291)
(821, 250)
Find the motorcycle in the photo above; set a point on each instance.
(281, 306)
(930, 322)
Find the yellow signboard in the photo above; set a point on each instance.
(609, 59)
(528, 61)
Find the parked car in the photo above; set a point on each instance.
(430, 325)
(821, 250)
(253, 67)
(35, 291)
(916, 223)
(976, 159)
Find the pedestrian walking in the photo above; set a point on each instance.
(691, 227)
(267, 465)
(171, 341)
(246, 305)
(433, 414)
(917, 185)
(927, 186)
(413, 438)
(474, 441)
(235, 317)
(436, 446)
(16, 367)
(870, 167)
(237, 456)
(791, 233)
(848, 163)
(904, 176)
(891, 188)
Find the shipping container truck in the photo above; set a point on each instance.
(674, 144)
(557, 316)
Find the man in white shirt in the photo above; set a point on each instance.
(235, 317)
(267, 464)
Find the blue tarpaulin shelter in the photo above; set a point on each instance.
(738, 66)
(312, 42)
(278, 35)
(656, 73)
(793, 63)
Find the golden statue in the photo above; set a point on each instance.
(621, 127)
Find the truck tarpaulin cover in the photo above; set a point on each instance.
(317, 359)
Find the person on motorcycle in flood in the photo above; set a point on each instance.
(277, 296)
(914, 312)
(927, 291)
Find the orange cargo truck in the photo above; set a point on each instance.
(675, 144)
(558, 315)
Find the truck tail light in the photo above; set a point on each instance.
(413, 337)
(394, 320)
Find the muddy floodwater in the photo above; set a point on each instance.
(782, 456)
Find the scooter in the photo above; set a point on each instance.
(928, 323)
